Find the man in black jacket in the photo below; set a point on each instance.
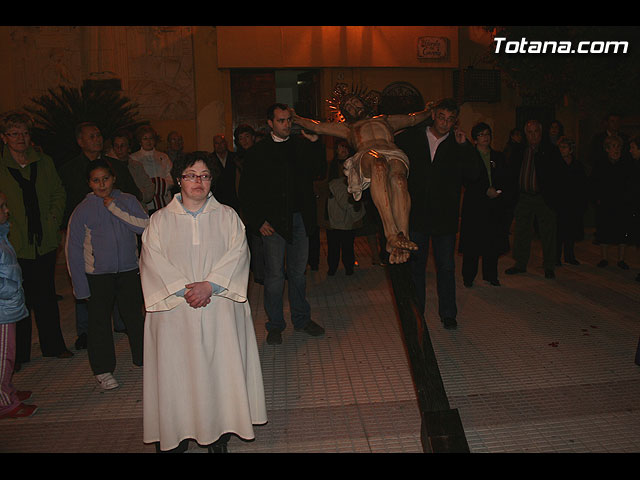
(442, 161)
(277, 199)
(73, 173)
(536, 168)
(224, 187)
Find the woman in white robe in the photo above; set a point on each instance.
(202, 375)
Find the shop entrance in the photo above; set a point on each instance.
(253, 91)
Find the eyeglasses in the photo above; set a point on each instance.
(17, 134)
(191, 177)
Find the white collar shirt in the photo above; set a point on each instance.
(434, 142)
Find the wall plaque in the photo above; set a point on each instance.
(432, 47)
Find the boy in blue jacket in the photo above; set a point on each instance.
(102, 259)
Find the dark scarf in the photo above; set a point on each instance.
(30, 200)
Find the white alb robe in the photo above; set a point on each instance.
(202, 375)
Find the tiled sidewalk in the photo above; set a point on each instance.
(535, 366)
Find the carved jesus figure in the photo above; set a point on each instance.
(378, 164)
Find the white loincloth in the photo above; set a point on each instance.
(358, 183)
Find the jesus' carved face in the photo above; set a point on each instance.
(353, 109)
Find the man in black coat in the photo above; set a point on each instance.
(277, 199)
(536, 169)
(73, 173)
(224, 187)
(442, 161)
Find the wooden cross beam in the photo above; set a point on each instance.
(441, 429)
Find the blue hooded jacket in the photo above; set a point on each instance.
(12, 306)
(102, 239)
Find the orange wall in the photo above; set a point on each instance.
(330, 46)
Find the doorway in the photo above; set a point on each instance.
(254, 91)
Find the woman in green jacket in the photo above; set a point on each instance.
(34, 190)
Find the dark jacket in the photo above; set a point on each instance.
(612, 192)
(50, 200)
(573, 200)
(547, 161)
(277, 181)
(74, 178)
(224, 188)
(485, 222)
(435, 187)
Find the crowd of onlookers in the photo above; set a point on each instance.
(501, 199)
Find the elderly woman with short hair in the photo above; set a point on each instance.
(157, 166)
(33, 188)
(612, 190)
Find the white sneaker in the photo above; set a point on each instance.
(107, 381)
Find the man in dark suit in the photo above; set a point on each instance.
(225, 186)
(441, 161)
(73, 173)
(277, 198)
(536, 166)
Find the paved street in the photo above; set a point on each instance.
(535, 365)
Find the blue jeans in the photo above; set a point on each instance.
(257, 256)
(276, 252)
(443, 253)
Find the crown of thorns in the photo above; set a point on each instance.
(341, 93)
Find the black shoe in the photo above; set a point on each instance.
(64, 354)
(467, 284)
(311, 328)
(573, 261)
(331, 273)
(638, 278)
(259, 281)
(121, 330)
(274, 337)
(495, 283)
(81, 341)
(602, 263)
(548, 273)
(623, 265)
(349, 272)
(514, 270)
(181, 448)
(222, 448)
(450, 323)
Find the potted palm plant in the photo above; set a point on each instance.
(57, 113)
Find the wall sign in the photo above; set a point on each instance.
(432, 47)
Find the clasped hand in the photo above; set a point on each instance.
(198, 294)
